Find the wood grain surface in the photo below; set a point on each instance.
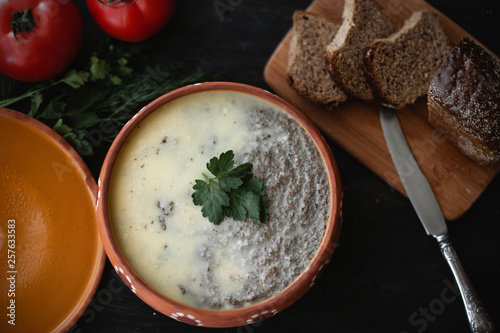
(456, 180)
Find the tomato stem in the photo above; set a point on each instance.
(22, 22)
(114, 2)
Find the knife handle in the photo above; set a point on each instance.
(479, 320)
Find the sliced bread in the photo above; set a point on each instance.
(363, 22)
(306, 70)
(402, 66)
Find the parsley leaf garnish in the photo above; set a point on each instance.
(231, 192)
(211, 198)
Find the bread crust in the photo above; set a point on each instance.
(363, 22)
(368, 66)
(332, 58)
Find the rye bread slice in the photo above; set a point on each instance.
(306, 69)
(402, 66)
(363, 22)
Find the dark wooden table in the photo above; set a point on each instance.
(386, 275)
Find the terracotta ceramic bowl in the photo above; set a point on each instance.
(48, 228)
(233, 317)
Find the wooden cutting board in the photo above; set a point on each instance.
(456, 180)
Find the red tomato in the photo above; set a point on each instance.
(131, 20)
(45, 44)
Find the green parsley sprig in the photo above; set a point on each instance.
(231, 191)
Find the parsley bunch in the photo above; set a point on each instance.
(231, 192)
(100, 95)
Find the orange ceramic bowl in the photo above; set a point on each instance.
(233, 317)
(52, 256)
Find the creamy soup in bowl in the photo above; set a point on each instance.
(234, 272)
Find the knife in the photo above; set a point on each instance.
(427, 208)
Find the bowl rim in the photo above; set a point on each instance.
(80, 166)
(230, 317)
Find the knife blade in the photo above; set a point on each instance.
(414, 181)
(428, 211)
